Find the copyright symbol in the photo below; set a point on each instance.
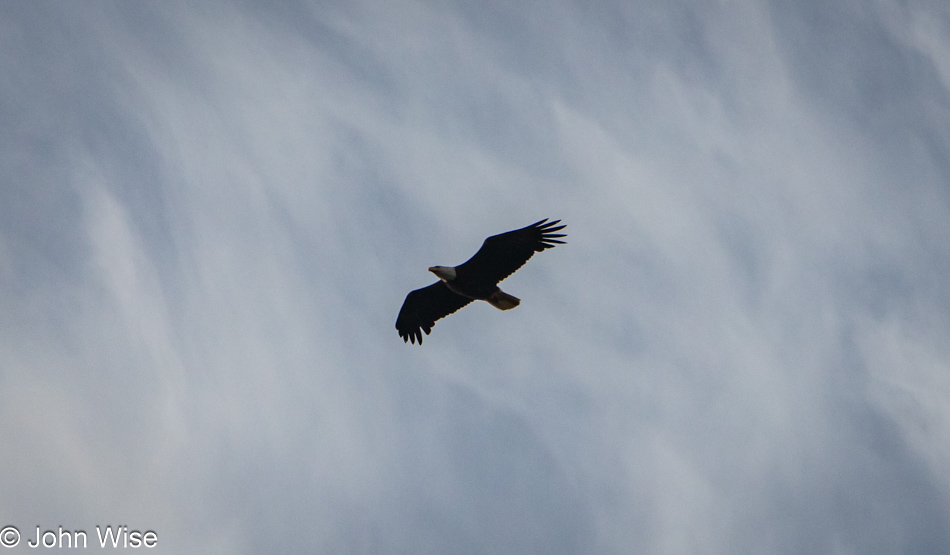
(9, 536)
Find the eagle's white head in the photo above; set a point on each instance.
(445, 273)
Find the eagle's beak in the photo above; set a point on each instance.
(432, 269)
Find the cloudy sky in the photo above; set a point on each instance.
(211, 212)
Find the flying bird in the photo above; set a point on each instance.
(477, 279)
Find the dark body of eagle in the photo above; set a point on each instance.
(476, 279)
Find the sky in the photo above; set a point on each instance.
(211, 212)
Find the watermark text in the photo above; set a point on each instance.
(112, 537)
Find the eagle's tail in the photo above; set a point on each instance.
(503, 301)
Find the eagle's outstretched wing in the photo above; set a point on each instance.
(504, 253)
(423, 307)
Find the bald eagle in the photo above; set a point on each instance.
(477, 279)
